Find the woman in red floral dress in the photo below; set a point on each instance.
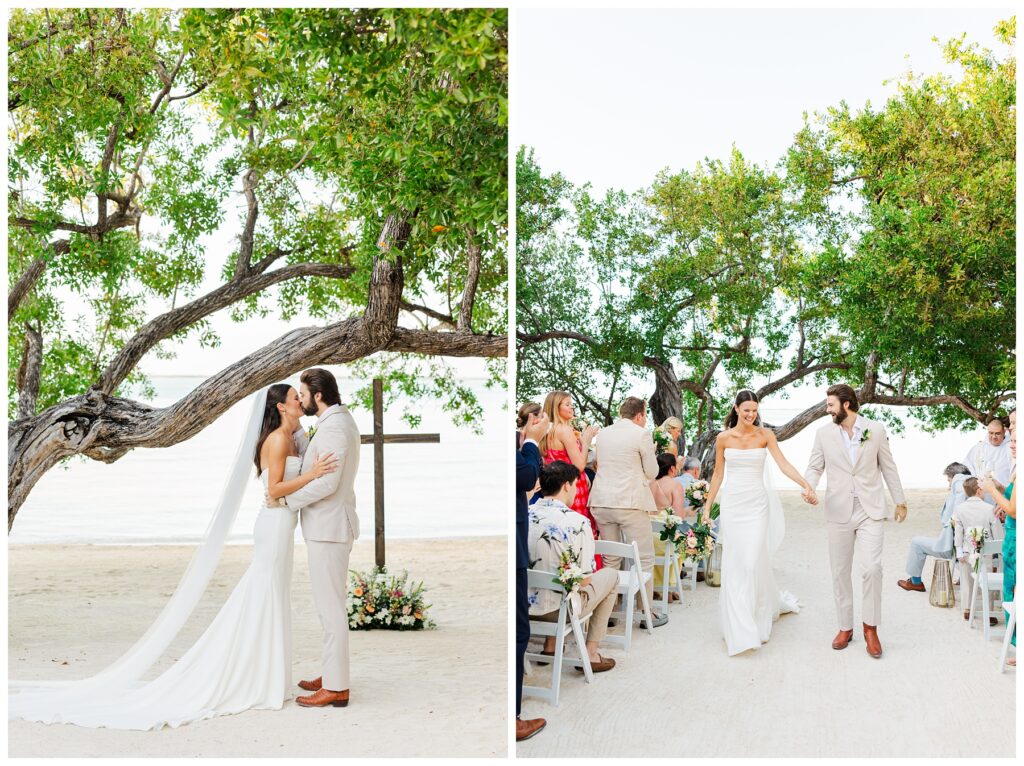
(564, 443)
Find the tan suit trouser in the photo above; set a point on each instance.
(628, 524)
(328, 574)
(862, 535)
(600, 591)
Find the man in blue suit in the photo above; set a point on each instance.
(528, 465)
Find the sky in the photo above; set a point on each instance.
(614, 96)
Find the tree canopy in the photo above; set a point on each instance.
(360, 154)
(880, 250)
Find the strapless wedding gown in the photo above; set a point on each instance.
(752, 527)
(242, 661)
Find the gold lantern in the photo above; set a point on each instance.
(942, 593)
(713, 567)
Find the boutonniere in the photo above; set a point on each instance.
(311, 432)
(865, 436)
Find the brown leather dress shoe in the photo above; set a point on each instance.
(312, 686)
(908, 585)
(526, 729)
(874, 646)
(842, 639)
(600, 666)
(323, 698)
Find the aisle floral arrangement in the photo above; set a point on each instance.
(977, 537)
(570, 573)
(386, 601)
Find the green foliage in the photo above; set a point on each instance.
(928, 278)
(889, 232)
(341, 116)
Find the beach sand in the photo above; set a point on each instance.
(934, 692)
(74, 609)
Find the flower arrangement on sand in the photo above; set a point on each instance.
(386, 601)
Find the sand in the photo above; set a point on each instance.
(935, 691)
(74, 609)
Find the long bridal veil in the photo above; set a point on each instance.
(788, 602)
(51, 700)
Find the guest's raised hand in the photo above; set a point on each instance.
(538, 427)
(590, 432)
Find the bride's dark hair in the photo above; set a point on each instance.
(276, 394)
(746, 395)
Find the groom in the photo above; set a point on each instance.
(329, 526)
(854, 452)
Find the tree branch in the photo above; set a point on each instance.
(472, 277)
(447, 343)
(446, 318)
(242, 264)
(797, 374)
(27, 379)
(178, 319)
(528, 339)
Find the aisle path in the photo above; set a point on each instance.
(934, 692)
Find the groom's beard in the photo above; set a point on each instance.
(311, 410)
(839, 418)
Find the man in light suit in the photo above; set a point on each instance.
(854, 452)
(327, 512)
(621, 496)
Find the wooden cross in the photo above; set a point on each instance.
(378, 440)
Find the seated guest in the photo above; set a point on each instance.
(668, 493)
(991, 455)
(972, 512)
(689, 470)
(554, 528)
(940, 547)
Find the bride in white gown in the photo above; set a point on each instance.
(243, 659)
(751, 526)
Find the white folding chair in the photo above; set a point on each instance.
(985, 583)
(669, 563)
(539, 580)
(632, 581)
(1011, 623)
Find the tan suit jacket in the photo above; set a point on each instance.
(874, 461)
(328, 504)
(625, 463)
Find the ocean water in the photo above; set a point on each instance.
(457, 488)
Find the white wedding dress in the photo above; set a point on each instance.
(242, 661)
(752, 527)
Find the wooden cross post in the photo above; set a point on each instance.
(378, 440)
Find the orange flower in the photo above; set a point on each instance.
(369, 608)
(438, 229)
(418, 615)
(358, 591)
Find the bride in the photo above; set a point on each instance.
(243, 660)
(752, 526)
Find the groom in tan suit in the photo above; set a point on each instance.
(327, 508)
(621, 496)
(854, 452)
